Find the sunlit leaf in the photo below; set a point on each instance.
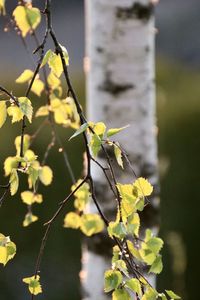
(112, 279)
(121, 266)
(157, 265)
(82, 195)
(3, 112)
(128, 203)
(33, 176)
(26, 107)
(72, 220)
(121, 294)
(42, 111)
(26, 143)
(46, 58)
(118, 155)
(113, 131)
(55, 64)
(15, 112)
(14, 182)
(143, 186)
(155, 244)
(33, 284)
(53, 81)
(37, 87)
(117, 229)
(26, 18)
(29, 218)
(134, 285)
(10, 163)
(2, 7)
(46, 175)
(29, 197)
(25, 76)
(7, 249)
(91, 224)
(133, 224)
(150, 294)
(134, 251)
(172, 295)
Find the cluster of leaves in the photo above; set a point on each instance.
(132, 248)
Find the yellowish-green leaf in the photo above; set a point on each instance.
(82, 195)
(27, 18)
(46, 175)
(121, 266)
(172, 295)
(3, 112)
(133, 224)
(112, 279)
(134, 285)
(150, 294)
(33, 284)
(82, 128)
(91, 224)
(29, 197)
(2, 7)
(7, 249)
(113, 131)
(33, 176)
(53, 81)
(26, 107)
(15, 112)
(25, 76)
(128, 203)
(10, 163)
(95, 145)
(134, 251)
(157, 265)
(42, 111)
(143, 186)
(117, 229)
(55, 64)
(121, 294)
(118, 155)
(46, 57)
(155, 244)
(14, 182)
(72, 220)
(26, 143)
(29, 218)
(37, 87)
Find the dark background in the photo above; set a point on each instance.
(178, 99)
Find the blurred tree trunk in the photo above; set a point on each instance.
(120, 91)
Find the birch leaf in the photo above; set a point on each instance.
(15, 112)
(26, 18)
(10, 163)
(134, 285)
(172, 295)
(113, 131)
(26, 107)
(29, 218)
(112, 279)
(46, 175)
(80, 130)
(3, 112)
(143, 186)
(33, 284)
(118, 155)
(91, 224)
(46, 58)
(157, 265)
(25, 76)
(121, 294)
(55, 64)
(37, 87)
(42, 111)
(14, 182)
(26, 143)
(7, 249)
(2, 7)
(72, 220)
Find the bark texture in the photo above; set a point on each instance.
(120, 91)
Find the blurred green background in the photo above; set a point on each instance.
(178, 112)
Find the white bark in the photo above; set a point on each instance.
(120, 91)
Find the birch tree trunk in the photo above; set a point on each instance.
(120, 91)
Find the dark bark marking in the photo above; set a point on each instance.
(114, 88)
(136, 11)
(99, 49)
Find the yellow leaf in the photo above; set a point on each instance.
(2, 7)
(72, 220)
(7, 249)
(26, 107)
(29, 197)
(29, 218)
(45, 175)
(53, 81)
(55, 64)
(26, 18)
(15, 112)
(99, 129)
(143, 186)
(26, 143)
(25, 76)
(42, 111)
(3, 113)
(10, 163)
(37, 87)
(30, 156)
(33, 284)
(14, 182)
(3, 255)
(91, 224)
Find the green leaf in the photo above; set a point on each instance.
(95, 145)
(14, 182)
(121, 294)
(33, 176)
(150, 294)
(46, 175)
(117, 229)
(128, 203)
(29, 218)
(155, 244)
(25, 76)
(3, 112)
(133, 224)
(113, 131)
(172, 295)
(157, 265)
(72, 220)
(33, 284)
(2, 7)
(134, 251)
(55, 64)
(80, 130)
(26, 107)
(134, 285)
(91, 224)
(46, 57)
(7, 249)
(26, 18)
(118, 155)
(112, 279)
(121, 266)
